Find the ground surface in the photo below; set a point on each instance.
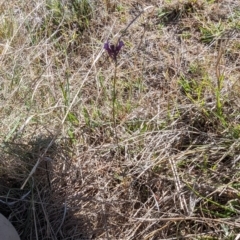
(162, 160)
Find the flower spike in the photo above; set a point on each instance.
(113, 49)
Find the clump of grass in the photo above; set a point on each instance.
(64, 22)
(209, 32)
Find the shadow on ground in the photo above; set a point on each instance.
(35, 201)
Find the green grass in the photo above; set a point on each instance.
(173, 172)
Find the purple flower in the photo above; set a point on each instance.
(113, 49)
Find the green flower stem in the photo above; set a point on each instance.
(114, 97)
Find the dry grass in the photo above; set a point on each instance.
(175, 171)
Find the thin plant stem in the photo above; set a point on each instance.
(114, 97)
(113, 51)
(220, 77)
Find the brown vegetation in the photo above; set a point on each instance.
(173, 172)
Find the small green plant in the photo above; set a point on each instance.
(219, 86)
(214, 208)
(209, 32)
(71, 117)
(86, 117)
(120, 8)
(235, 131)
(186, 35)
(234, 19)
(194, 89)
(6, 28)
